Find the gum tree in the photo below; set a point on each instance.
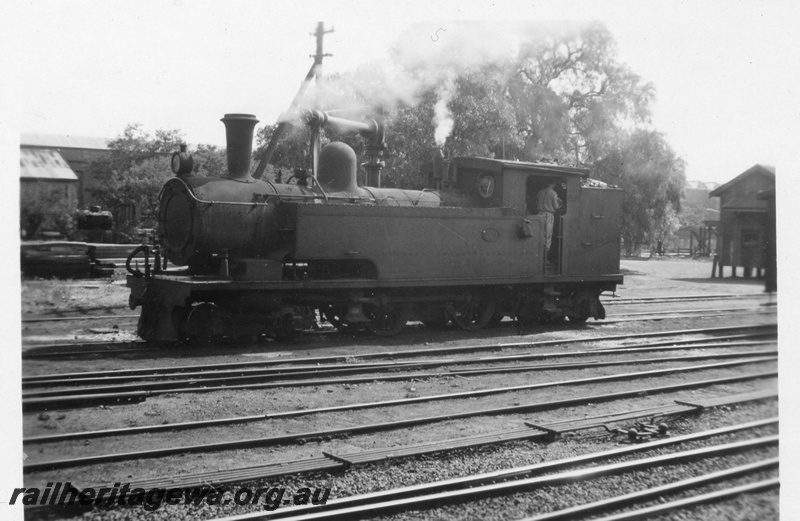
(653, 177)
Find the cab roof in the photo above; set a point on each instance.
(498, 165)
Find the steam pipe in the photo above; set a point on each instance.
(315, 148)
(318, 118)
(373, 152)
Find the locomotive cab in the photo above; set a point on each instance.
(515, 186)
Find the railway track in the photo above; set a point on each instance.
(731, 364)
(50, 399)
(605, 300)
(388, 361)
(272, 373)
(141, 347)
(384, 426)
(745, 359)
(679, 298)
(529, 478)
(45, 399)
(537, 432)
(612, 318)
(560, 473)
(742, 332)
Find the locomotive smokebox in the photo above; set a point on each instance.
(239, 137)
(337, 168)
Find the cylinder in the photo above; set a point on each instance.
(239, 137)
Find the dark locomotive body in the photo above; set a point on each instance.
(267, 258)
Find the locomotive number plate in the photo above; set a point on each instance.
(490, 235)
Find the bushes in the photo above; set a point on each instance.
(51, 213)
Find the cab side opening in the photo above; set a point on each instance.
(547, 195)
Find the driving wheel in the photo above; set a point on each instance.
(474, 312)
(386, 319)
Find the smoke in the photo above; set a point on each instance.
(443, 118)
(432, 55)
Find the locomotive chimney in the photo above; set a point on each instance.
(239, 137)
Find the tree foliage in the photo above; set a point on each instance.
(409, 144)
(653, 179)
(132, 175)
(573, 95)
(692, 215)
(138, 165)
(210, 161)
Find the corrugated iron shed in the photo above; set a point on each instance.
(37, 163)
(53, 141)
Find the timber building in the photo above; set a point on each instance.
(745, 235)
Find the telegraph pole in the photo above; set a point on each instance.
(320, 34)
(315, 130)
(315, 71)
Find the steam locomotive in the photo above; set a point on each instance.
(261, 258)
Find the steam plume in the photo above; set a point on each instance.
(431, 55)
(443, 118)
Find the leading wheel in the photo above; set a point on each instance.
(474, 312)
(204, 322)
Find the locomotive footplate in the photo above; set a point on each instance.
(606, 282)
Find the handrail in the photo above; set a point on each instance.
(135, 271)
(279, 198)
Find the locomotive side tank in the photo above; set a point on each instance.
(269, 258)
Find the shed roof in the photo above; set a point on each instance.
(43, 163)
(68, 141)
(499, 164)
(764, 169)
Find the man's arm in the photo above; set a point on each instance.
(555, 201)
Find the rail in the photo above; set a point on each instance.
(362, 429)
(442, 493)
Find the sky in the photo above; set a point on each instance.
(726, 75)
